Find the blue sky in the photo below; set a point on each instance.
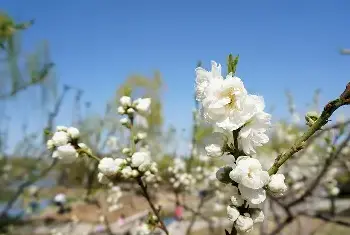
(97, 44)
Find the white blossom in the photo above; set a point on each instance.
(139, 158)
(60, 138)
(127, 172)
(121, 110)
(142, 105)
(66, 153)
(244, 224)
(109, 166)
(73, 132)
(253, 196)
(232, 213)
(50, 144)
(277, 185)
(214, 150)
(249, 173)
(124, 121)
(253, 133)
(125, 101)
(130, 110)
(141, 135)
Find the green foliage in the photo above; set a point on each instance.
(232, 64)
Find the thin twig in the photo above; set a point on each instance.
(319, 123)
(155, 211)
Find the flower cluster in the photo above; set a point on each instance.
(138, 165)
(129, 107)
(65, 144)
(240, 125)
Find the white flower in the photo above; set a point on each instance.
(257, 216)
(102, 178)
(225, 101)
(141, 135)
(73, 132)
(130, 111)
(214, 150)
(126, 150)
(253, 134)
(204, 78)
(277, 185)
(121, 110)
(60, 198)
(143, 105)
(61, 128)
(125, 101)
(139, 158)
(334, 191)
(124, 121)
(236, 198)
(154, 168)
(50, 144)
(249, 173)
(232, 213)
(60, 138)
(244, 224)
(253, 196)
(109, 166)
(66, 153)
(135, 173)
(127, 172)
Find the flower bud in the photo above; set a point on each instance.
(311, 118)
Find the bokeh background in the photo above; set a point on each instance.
(70, 65)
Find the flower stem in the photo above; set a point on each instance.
(328, 110)
(155, 211)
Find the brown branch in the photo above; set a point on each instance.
(155, 211)
(300, 143)
(325, 168)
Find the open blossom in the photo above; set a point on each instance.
(227, 104)
(232, 213)
(125, 101)
(60, 138)
(127, 172)
(253, 133)
(214, 150)
(203, 79)
(140, 158)
(253, 196)
(249, 173)
(244, 224)
(109, 166)
(73, 132)
(142, 105)
(66, 153)
(121, 110)
(277, 185)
